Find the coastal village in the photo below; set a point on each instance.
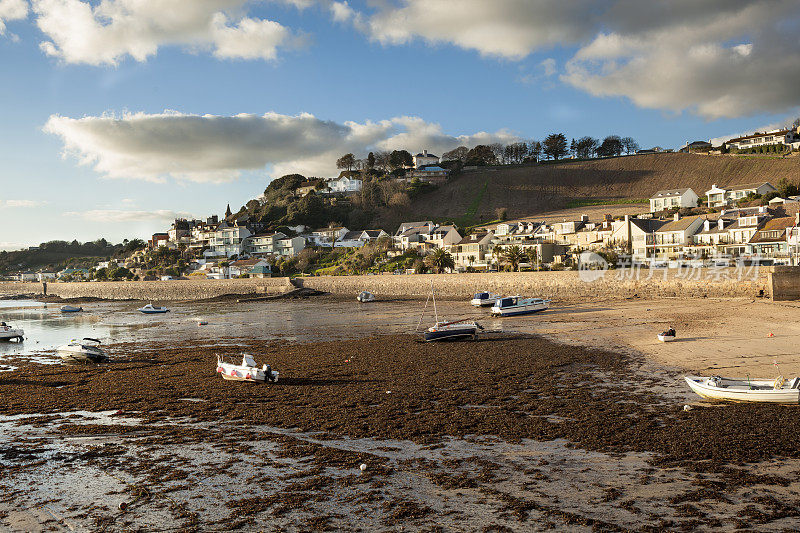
(750, 222)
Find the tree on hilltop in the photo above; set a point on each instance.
(400, 159)
(611, 146)
(555, 146)
(629, 144)
(481, 156)
(457, 154)
(586, 147)
(347, 161)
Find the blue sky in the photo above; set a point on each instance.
(169, 109)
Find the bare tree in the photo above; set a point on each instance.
(629, 144)
(458, 154)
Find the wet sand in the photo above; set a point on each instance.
(509, 433)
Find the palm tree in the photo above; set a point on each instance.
(533, 257)
(440, 260)
(514, 256)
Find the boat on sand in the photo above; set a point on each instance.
(71, 309)
(778, 390)
(86, 350)
(10, 333)
(455, 329)
(365, 296)
(484, 299)
(247, 371)
(667, 336)
(150, 310)
(517, 305)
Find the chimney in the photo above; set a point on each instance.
(721, 223)
(425, 153)
(706, 225)
(584, 218)
(676, 216)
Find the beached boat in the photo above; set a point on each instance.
(456, 329)
(150, 310)
(667, 336)
(365, 296)
(86, 350)
(247, 371)
(71, 309)
(517, 305)
(484, 299)
(778, 390)
(10, 333)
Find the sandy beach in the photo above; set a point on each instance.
(571, 419)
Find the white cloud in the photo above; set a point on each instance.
(119, 215)
(105, 33)
(548, 66)
(11, 246)
(211, 148)
(24, 203)
(12, 10)
(717, 58)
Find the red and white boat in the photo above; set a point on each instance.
(247, 371)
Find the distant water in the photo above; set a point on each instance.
(46, 327)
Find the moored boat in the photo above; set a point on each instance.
(365, 296)
(150, 310)
(71, 309)
(718, 388)
(10, 333)
(86, 350)
(517, 305)
(484, 299)
(451, 330)
(667, 336)
(247, 371)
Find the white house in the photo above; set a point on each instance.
(473, 250)
(405, 226)
(674, 236)
(370, 235)
(788, 137)
(424, 158)
(345, 184)
(45, 276)
(326, 237)
(672, 198)
(228, 241)
(274, 244)
(722, 196)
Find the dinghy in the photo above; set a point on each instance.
(150, 310)
(667, 336)
(71, 309)
(247, 371)
(778, 390)
(457, 329)
(10, 333)
(365, 296)
(86, 350)
(484, 299)
(517, 305)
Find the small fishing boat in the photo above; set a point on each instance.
(456, 329)
(71, 309)
(667, 336)
(150, 310)
(86, 350)
(365, 296)
(247, 371)
(10, 333)
(517, 305)
(484, 299)
(718, 388)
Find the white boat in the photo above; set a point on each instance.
(247, 371)
(484, 299)
(10, 333)
(667, 336)
(365, 296)
(517, 305)
(778, 390)
(86, 350)
(150, 310)
(71, 309)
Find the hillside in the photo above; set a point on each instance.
(475, 195)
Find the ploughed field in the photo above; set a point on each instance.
(504, 433)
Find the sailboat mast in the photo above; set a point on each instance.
(435, 313)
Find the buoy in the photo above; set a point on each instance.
(347, 360)
(388, 392)
(247, 376)
(363, 466)
(233, 372)
(770, 335)
(123, 506)
(687, 407)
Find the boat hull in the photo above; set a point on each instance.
(741, 393)
(483, 303)
(450, 334)
(666, 338)
(231, 372)
(71, 309)
(11, 334)
(514, 311)
(153, 311)
(75, 356)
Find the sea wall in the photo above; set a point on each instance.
(152, 290)
(563, 285)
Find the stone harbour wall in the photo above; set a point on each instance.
(559, 285)
(152, 290)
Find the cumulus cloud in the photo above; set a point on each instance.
(212, 148)
(23, 203)
(117, 215)
(105, 33)
(718, 58)
(12, 10)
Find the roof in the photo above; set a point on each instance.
(669, 192)
(431, 168)
(474, 238)
(373, 232)
(699, 143)
(647, 224)
(425, 155)
(245, 262)
(678, 225)
(776, 224)
(744, 186)
(351, 236)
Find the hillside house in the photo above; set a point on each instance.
(325, 237)
(787, 137)
(424, 158)
(672, 238)
(372, 235)
(722, 196)
(673, 198)
(429, 174)
(227, 241)
(473, 251)
(158, 239)
(345, 184)
(771, 240)
(351, 239)
(408, 225)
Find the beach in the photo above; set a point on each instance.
(570, 419)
